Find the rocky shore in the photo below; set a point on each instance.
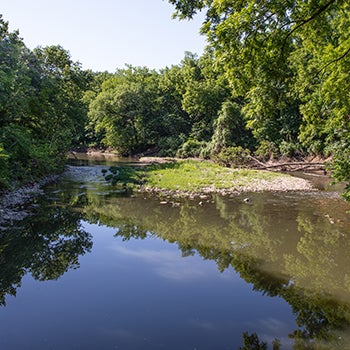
(15, 205)
(276, 185)
(18, 204)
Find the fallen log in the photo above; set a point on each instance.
(290, 166)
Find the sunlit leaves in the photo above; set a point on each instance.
(290, 60)
(41, 108)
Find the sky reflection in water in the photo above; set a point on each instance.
(138, 294)
(111, 287)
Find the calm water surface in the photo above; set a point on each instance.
(95, 268)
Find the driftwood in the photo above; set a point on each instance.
(288, 166)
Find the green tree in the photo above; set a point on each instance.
(289, 60)
(204, 93)
(15, 77)
(42, 113)
(125, 111)
(230, 128)
(59, 108)
(91, 137)
(175, 124)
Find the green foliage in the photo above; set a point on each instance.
(44, 160)
(205, 90)
(169, 145)
(289, 60)
(232, 156)
(191, 148)
(290, 149)
(125, 112)
(252, 342)
(137, 108)
(266, 150)
(229, 129)
(26, 159)
(4, 167)
(17, 144)
(42, 113)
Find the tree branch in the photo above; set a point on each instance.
(333, 61)
(302, 23)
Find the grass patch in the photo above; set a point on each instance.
(195, 176)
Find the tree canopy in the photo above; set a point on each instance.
(290, 60)
(42, 113)
(273, 81)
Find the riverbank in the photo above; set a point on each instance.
(15, 205)
(169, 177)
(195, 178)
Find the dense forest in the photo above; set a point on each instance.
(274, 81)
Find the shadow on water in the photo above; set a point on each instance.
(292, 246)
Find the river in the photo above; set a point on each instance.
(97, 268)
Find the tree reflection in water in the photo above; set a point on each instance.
(46, 246)
(299, 256)
(303, 259)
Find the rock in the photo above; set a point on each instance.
(12, 203)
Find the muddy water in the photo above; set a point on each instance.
(96, 268)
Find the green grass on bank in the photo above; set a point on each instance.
(192, 175)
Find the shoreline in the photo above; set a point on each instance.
(284, 185)
(14, 204)
(192, 180)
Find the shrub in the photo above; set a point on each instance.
(43, 160)
(22, 158)
(191, 148)
(266, 150)
(169, 145)
(232, 156)
(290, 149)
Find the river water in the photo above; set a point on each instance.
(96, 268)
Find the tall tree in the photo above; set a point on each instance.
(125, 110)
(41, 108)
(290, 60)
(15, 77)
(205, 91)
(61, 86)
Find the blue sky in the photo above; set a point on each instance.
(107, 34)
